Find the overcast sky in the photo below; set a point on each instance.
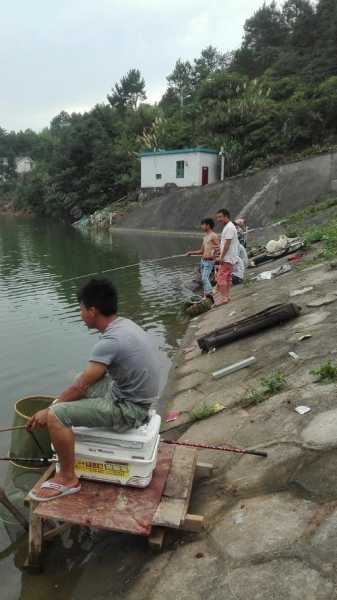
(66, 54)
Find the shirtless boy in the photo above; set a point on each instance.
(208, 253)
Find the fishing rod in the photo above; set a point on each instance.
(3, 429)
(146, 261)
(220, 448)
(42, 461)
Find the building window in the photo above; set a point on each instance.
(180, 169)
(158, 175)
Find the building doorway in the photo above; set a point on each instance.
(204, 178)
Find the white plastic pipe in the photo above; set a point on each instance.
(232, 368)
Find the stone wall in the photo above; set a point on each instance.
(262, 198)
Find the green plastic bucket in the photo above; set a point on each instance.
(23, 444)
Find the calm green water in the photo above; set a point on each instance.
(44, 344)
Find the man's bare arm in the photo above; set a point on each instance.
(77, 390)
(196, 252)
(225, 250)
(91, 374)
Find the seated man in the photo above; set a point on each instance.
(116, 389)
(240, 266)
(238, 272)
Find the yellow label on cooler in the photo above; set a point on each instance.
(102, 468)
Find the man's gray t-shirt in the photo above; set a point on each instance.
(126, 349)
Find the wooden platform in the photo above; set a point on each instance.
(148, 512)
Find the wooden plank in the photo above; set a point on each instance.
(156, 539)
(34, 540)
(54, 531)
(170, 512)
(181, 475)
(193, 523)
(112, 507)
(173, 507)
(204, 470)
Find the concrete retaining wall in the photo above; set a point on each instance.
(263, 197)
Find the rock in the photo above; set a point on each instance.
(321, 433)
(277, 580)
(263, 525)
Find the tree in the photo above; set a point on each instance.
(265, 35)
(181, 81)
(324, 62)
(129, 91)
(300, 19)
(210, 61)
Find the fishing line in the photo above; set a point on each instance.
(37, 442)
(110, 270)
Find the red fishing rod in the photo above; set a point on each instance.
(220, 448)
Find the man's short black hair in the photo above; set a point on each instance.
(100, 294)
(224, 212)
(208, 222)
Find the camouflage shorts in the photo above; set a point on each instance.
(101, 409)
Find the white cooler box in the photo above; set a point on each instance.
(126, 458)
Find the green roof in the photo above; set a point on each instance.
(179, 151)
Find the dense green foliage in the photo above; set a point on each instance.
(273, 98)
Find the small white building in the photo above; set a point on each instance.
(186, 167)
(23, 164)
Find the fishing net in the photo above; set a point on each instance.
(23, 443)
(20, 478)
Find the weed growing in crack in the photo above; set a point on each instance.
(269, 386)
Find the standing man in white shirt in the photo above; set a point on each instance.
(229, 252)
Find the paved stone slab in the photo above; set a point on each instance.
(186, 401)
(252, 473)
(188, 382)
(304, 323)
(277, 580)
(320, 476)
(219, 429)
(263, 525)
(324, 540)
(321, 433)
(193, 572)
(322, 301)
